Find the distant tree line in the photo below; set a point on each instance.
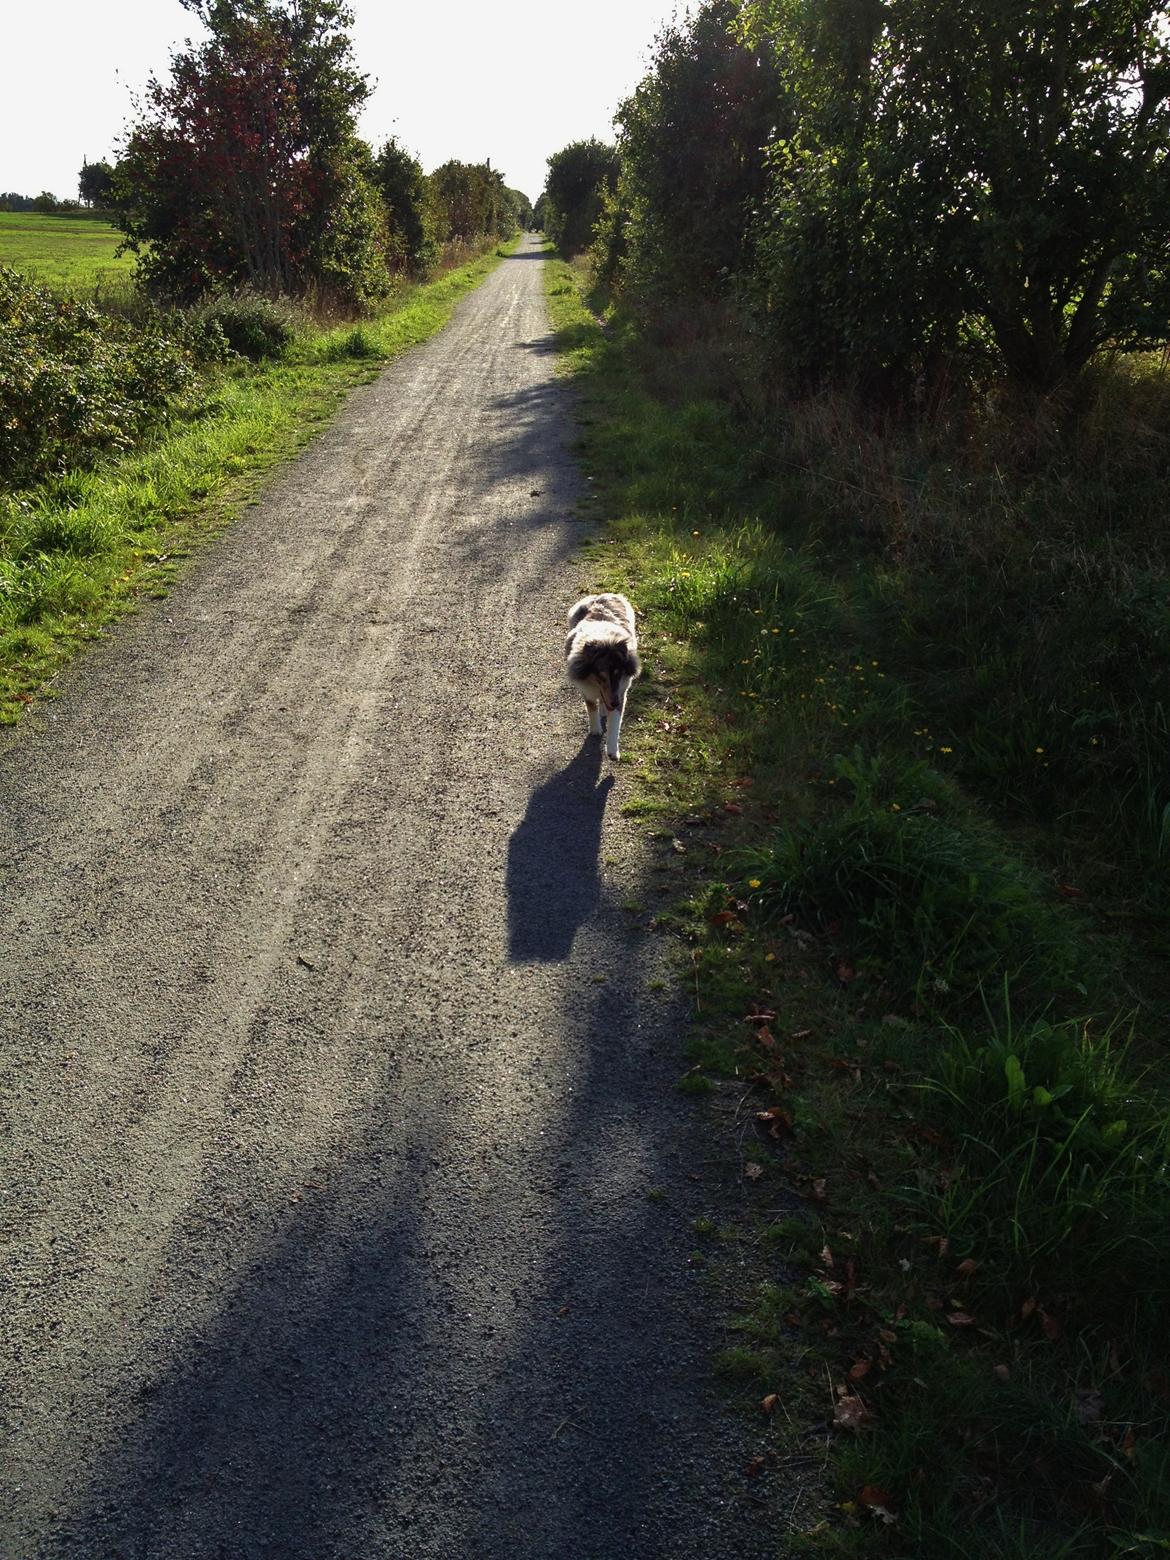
(882, 190)
(94, 189)
(46, 202)
(245, 170)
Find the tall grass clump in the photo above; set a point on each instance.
(919, 889)
(1062, 1166)
(255, 327)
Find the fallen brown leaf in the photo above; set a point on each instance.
(960, 1319)
(753, 1171)
(874, 1495)
(769, 1403)
(849, 1411)
(774, 1118)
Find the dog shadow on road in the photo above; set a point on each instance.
(552, 879)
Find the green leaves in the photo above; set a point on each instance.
(75, 381)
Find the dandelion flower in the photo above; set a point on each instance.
(753, 882)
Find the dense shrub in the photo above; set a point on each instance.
(75, 381)
(469, 203)
(960, 171)
(402, 186)
(253, 326)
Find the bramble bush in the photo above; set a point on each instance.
(253, 326)
(76, 382)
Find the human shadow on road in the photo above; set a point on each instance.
(551, 879)
(473, 1334)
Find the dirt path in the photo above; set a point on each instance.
(327, 1153)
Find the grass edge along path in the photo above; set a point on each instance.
(966, 1173)
(95, 543)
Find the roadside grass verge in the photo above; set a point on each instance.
(79, 549)
(910, 793)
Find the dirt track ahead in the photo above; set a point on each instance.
(327, 1153)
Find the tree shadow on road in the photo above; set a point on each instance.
(552, 880)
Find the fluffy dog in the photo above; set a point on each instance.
(601, 654)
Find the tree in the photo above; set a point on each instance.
(691, 142)
(962, 168)
(95, 183)
(470, 203)
(522, 207)
(246, 168)
(402, 185)
(580, 176)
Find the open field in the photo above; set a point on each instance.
(69, 254)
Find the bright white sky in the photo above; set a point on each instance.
(513, 80)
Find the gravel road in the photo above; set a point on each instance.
(335, 1079)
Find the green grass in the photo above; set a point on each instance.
(68, 254)
(921, 918)
(81, 549)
